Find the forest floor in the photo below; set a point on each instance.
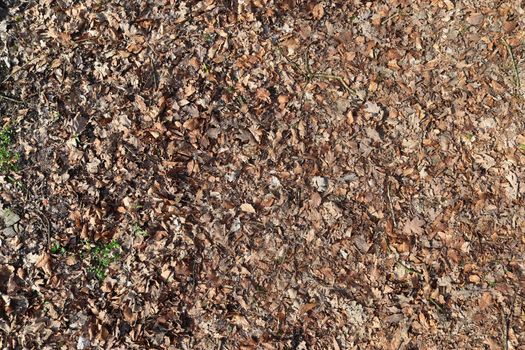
(229, 174)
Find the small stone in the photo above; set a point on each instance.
(83, 343)
(9, 232)
(236, 225)
(320, 183)
(350, 177)
(10, 217)
(274, 183)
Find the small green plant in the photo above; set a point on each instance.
(76, 140)
(102, 256)
(139, 231)
(58, 249)
(8, 157)
(207, 37)
(205, 68)
(56, 116)
(522, 146)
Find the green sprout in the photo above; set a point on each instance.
(102, 256)
(57, 249)
(207, 37)
(56, 116)
(8, 157)
(138, 230)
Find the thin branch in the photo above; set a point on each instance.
(516, 69)
(338, 78)
(408, 268)
(507, 323)
(16, 70)
(390, 206)
(7, 98)
(309, 75)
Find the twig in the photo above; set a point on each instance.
(45, 221)
(508, 319)
(392, 16)
(439, 307)
(307, 62)
(7, 98)
(20, 68)
(516, 70)
(409, 268)
(289, 60)
(391, 207)
(311, 75)
(336, 77)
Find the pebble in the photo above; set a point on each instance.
(10, 217)
(320, 183)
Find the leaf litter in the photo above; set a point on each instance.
(303, 175)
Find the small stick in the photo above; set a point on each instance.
(508, 319)
(46, 222)
(439, 307)
(7, 98)
(516, 70)
(336, 77)
(392, 16)
(19, 69)
(409, 268)
(391, 207)
(310, 75)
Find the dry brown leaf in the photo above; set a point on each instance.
(240, 320)
(372, 107)
(318, 11)
(128, 314)
(414, 226)
(247, 208)
(267, 201)
(307, 307)
(283, 100)
(485, 300)
(474, 278)
(44, 263)
(141, 104)
(315, 200)
(450, 4)
(475, 19)
(191, 124)
(263, 94)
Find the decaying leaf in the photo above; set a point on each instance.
(247, 208)
(414, 226)
(44, 263)
(318, 11)
(475, 18)
(262, 174)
